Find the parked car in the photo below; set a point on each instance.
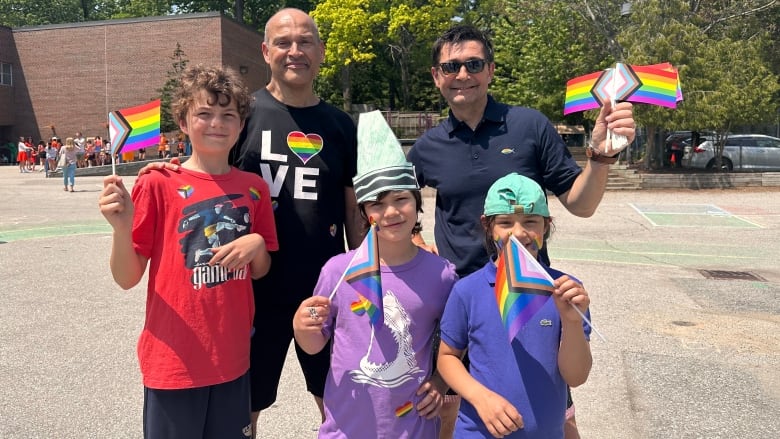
(742, 151)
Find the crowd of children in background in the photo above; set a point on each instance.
(91, 151)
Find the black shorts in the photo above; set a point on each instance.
(211, 412)
(270, 343)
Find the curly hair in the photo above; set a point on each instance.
(221, 83)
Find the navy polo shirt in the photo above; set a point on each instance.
(462, 164)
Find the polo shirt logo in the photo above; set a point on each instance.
(507, 151)
(545, 322)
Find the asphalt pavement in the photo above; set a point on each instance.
(684, 287)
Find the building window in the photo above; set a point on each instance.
(6, 74)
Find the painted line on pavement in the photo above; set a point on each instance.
(691, 215)
(54, 231)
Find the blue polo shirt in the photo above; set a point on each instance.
(462, 164)
(524, 371)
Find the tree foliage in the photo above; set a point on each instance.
(14, 13)
(378, 51)
(253, 13)
(726, 80)
(363, 32)
(537, 53)
(179, 63)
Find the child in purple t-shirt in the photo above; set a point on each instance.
(381, 381)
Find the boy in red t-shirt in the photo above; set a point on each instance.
(205, 230)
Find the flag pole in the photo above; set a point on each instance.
(549, 278)
(588, 322)
(612, 137)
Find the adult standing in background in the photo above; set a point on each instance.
(81, 145)
(483, 140)
(69, 151)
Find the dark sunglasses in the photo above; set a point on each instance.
(472, 66)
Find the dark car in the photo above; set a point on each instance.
(677, 141)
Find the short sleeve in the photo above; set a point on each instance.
(454, 321)
(145, 216)
(264, 223)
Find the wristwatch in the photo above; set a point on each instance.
(594, 154)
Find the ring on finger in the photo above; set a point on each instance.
(313, 313)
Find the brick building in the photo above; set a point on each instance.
(65, 78)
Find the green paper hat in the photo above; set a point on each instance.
(381, 164)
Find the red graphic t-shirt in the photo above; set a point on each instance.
(198, 317)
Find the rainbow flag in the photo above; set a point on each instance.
(656, 84)
(522, 286)
(660, 85)
(135, 127)
(364, 276)
(578, 93)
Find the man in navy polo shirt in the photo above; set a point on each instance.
(483, 140)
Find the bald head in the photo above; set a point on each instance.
(290, 17)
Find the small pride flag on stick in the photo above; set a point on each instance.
(522, 288)
(364, 276)
(656, 84)
(134, 128)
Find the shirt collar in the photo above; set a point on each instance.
(490, 272)
(493, 113)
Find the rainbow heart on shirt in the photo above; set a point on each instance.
(305, 146)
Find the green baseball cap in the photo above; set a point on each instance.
(515, 193)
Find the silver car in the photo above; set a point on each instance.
(742, 151)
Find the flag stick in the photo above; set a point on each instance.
(615, 138)
(588, 322)
(549, 278)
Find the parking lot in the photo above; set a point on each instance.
(684, 287)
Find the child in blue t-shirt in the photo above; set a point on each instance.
(517, 389)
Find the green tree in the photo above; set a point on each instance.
(359, 32)
(143, 8)
(726, 80)
(411, 30)
(537, 53)
(348, 27)
(742, 89)
(180, 61)
(253, 13)
(15, 13)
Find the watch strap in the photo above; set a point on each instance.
(594, 154)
